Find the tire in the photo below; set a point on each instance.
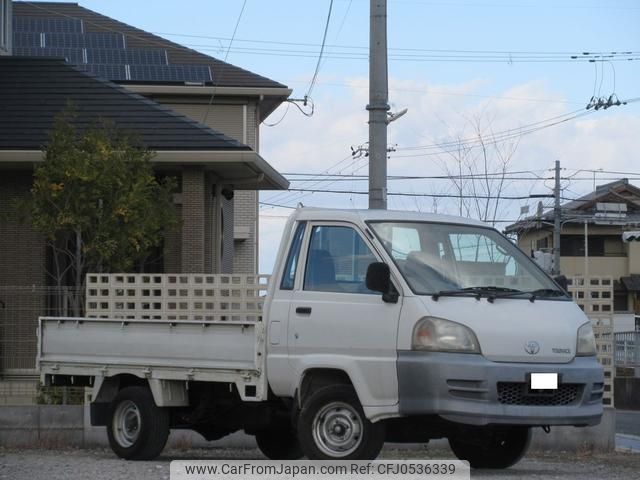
(137, 428)
(492, 447)
(279, 444)
(333, 426)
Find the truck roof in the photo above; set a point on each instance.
(351, 215)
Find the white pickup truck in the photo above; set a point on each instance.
(377, 326)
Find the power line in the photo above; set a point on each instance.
(297, 196)
(351, 177)
(324, 40)
(443, 93)
(219, 76)
(405, 194)
(475, 139)
(499, 56)
(446, 58)
(499, 139)
(269, 204)
(365, 49)
(278, 196)
(611, 172)
(364, 179)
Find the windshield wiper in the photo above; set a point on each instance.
(475, 292)
(533, 294)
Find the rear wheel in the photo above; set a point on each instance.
(279, 444)
(332, 425)
(137, 428)
(498, 447)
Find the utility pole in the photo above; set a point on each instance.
(557, 222)
(378, 105)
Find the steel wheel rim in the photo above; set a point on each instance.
(126, 423)
(337, 429)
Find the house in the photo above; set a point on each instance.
(225, 97)
(199, 115)
(599, 220)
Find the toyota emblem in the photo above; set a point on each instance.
(532, 347)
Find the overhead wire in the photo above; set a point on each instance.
(495, 140)
(363, 50)
(474, 139)
(219, 76)
(324, 40)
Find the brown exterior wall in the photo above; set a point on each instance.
(193, 220)
(22, 260)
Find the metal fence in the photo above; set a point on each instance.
(627, 349)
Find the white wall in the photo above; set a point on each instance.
(624, 322)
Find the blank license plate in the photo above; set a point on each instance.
(544, 381)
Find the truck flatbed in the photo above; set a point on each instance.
(188, 350)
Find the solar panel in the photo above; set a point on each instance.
(129, 56)
(84, 40)
(71, 55)
(108, 72)
(23, 39)
(47, 24)
(171, 73)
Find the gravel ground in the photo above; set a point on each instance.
(101, 464)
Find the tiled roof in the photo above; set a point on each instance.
(34, 90)
(582, 208)
(118, 51)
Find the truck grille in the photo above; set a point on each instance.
(516, 393)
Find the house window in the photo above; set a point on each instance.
(542, 243)
(573, 246)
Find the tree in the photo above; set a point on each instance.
(98, 203)
(478, 170)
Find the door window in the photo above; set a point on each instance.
(337, 261)
(289, 274)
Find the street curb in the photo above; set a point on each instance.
(625, 449)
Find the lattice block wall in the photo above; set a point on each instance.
(176, 296)
(594, 295)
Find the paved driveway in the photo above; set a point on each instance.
(103, 465)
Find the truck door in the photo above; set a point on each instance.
(335, 321)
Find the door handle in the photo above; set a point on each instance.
(303, 310)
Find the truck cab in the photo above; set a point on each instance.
(432, 326)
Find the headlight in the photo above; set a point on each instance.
(437, 334)
(586, 341)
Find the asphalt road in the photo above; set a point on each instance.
(628, 422)
(103, 465)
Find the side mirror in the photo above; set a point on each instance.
(379, 280)
(562, 281)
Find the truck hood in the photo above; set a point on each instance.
(516, 330)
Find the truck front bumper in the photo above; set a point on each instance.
(469, 389)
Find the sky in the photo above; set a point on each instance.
(464, 69)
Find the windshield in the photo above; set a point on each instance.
(437, 257)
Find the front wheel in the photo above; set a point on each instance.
(333, 426)
(137, 428)
(499, 447)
